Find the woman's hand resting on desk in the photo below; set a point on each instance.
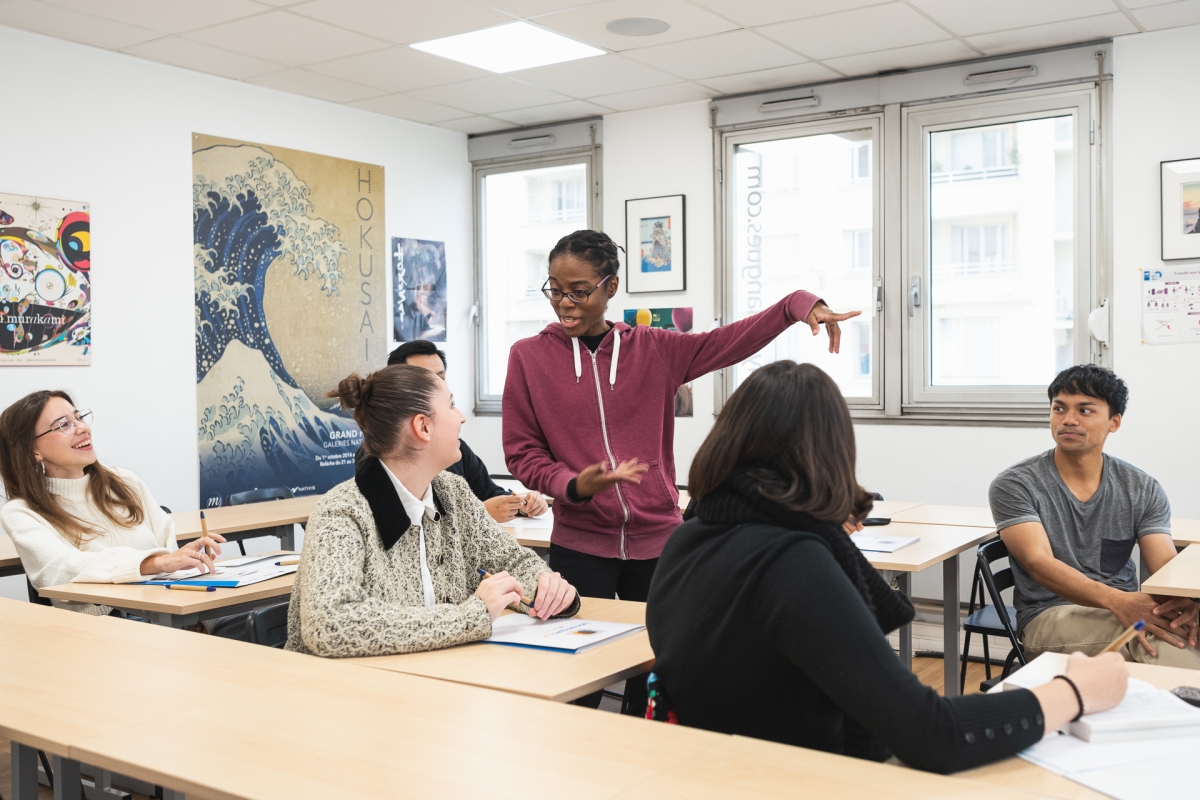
(190, 556)
(498, 592)
(599, 477)
(1102, 682)
(554, 595)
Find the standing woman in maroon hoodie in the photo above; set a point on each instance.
(594, 426)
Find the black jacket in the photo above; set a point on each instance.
(758, 631)
(470, 467)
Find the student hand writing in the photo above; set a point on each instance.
(1129, 607)
(535, 505)
(503, 508)
(821, 315)
(499, 592)
(554, 595)
(852, 525)
(1185, 612)
(599, 477)
(187, 557)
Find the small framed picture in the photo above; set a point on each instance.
(1180, 209)
(655, 245)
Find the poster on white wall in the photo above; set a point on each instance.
(1171, 305)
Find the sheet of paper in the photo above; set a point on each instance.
(1065, 754)
(544, 521)
(882, 544)
(1147, 714)
(569, 635)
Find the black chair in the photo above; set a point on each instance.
(877, 496)
(995, 619)
(34, 597)
(268, 625)
(258, 496)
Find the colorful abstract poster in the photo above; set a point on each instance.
(671, 319)
(418, 290)
(290, 284)
(45, 281)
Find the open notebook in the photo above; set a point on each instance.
(232, 572)
(562, 635)
(881, 544)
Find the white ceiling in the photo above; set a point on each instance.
(354, 51)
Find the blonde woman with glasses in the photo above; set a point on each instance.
(74, 520)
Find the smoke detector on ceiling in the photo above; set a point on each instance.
(638, 26)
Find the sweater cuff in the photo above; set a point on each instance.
(801, 304)
(131, 573)
(573, 494)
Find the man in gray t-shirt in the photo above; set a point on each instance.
(1070, 518)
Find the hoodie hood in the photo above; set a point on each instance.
(556, 329)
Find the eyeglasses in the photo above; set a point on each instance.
(67, 425)
(577, 296)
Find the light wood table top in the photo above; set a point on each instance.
(1180, 577)
(937, 543)
(538, 673)
(137, 597)
(9, 560)
(252, 516)
(961, 516)
(890, 508)
(1185, 531)
(531, 531)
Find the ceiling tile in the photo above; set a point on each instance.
(62, 23)
(723, 54)
(165, 16)
(286, 38)
(202, 57)
(921, 55)
(555, 112)
(658, 96)
(1133, 4)
(398, 69)
(485, 95)
(586, 23)
(607, 74)
(860, 31)
(1171, 15)
(765, 12)
(968, 17)
(404, 21)
(405, 107)
(1056, 33)
(323, 87)
(476, 125)
(778, 78)
(530, 8)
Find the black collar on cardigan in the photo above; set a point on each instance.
(390, 517)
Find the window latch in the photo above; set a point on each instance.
(879, 294)
(914, 295)
(474, 318)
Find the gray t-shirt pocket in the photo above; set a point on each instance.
(1114, 554)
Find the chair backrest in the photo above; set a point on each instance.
(34, 597)
(996, 581)
(877, 496)
(268, 625)
(259, 495)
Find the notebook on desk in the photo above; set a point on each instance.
(561, 635)
(881, 544)
(231, 573)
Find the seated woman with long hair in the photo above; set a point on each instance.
(767, 621)
(73, 519)
(392, 559)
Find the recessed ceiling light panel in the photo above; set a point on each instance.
(638, 26)
(508, 48)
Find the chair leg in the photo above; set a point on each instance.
(987, 658)
(1008, 662)
(962, 680)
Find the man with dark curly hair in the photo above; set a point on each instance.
(1071, 517)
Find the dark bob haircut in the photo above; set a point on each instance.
(789, 425)
(1095, 381)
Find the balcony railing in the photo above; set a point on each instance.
(965, 176)
(972, 269)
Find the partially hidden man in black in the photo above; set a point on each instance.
(500, 503)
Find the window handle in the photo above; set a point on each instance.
(879, 294)
(474, 318)
(914, 295)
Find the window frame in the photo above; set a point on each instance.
(487, 404)
(729, 142)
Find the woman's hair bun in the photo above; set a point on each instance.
(351, 391)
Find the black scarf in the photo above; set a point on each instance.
(739, 501)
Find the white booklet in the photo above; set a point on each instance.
(882, 544)
(562, 635)
(232, 572)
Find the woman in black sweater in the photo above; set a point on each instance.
(767, 621)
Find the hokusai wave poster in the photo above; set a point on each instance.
(290, 284)
(45, 281)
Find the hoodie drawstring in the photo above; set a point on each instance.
(612, 370)
(578, 366)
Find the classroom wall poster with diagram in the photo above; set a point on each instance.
(290, 265)
(45, 281)
(1171, 305)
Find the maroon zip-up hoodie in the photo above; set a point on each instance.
(566, 408)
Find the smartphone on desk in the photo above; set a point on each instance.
(871, 522)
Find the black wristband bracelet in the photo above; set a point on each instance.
(1078, 696)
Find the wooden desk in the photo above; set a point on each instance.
(1185, 531)
(229, 520)
(538, 673)
(890, 508)
(172, 608)
(1179, 578)
(532, 531)
(10, 563)
(962, 516)
(939, 544)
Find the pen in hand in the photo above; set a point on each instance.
(485, 575)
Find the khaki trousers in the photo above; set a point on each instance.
(1067, 628)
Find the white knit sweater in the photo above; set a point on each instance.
(50, 559)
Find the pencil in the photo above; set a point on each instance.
(188, 588)
(1125, 638)
(483, 573)
(204, 532)
(289, 562)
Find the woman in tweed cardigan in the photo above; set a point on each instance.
(361, 589)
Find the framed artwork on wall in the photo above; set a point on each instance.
(655, 245)
(1180, 181)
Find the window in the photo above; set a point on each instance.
(961, 229)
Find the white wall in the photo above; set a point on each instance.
(115, 131)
